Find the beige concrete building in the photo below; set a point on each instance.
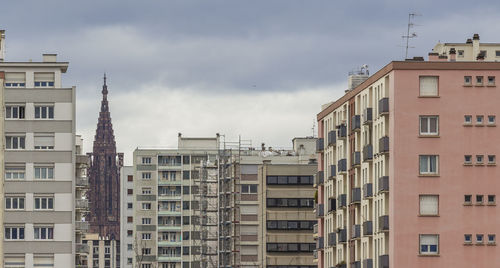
(104, 252)
(471, 50)
(39, 161)
(81, 204)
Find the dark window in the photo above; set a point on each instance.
(244, 188)
(185, 204)
(282, 180)
(185, 189)
(282, 225)
(96, 243)
(253, 188)
(129, 205)
(271, 202)
(293, 180)
(130, 191)
(293, 225)
(185, 175)
(271, 225)
(185, 235)
(130, 178)
(185, 159)
(293, 202)
(272, 180)
(185, 250)
(185, 219)
(293, 247)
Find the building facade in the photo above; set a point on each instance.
(471, 50)
(81, 204)
(408, 168)
(39, 161)
(126, 216)
(104, 252)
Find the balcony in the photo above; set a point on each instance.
(368, 190)
(320, 243)
(320, 210)
(333, 171)
(383, 145)
(332, 239)
(82, 204)
(342, 199)
(341, 265)
(82, 248)
(356, 195)
(315, 230)
(356, 159)
(383, 223)
(82, 182)
(356, 231)
(356, 264)
(383, 261)
(368, 263)
(342, 165)
(333, 205)
(341, 131)
(383, 106)
(82, 226)
(368, 152)
(319, 178)
(315, 254)
(356, 123)
(368, 228)
(367, 116)
(320, 145)
(332, 137)
(342, 235)
(383, 184)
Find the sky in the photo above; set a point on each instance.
(258, 69)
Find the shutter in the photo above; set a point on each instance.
(14, 261)
(44, 141)
(248, 229)
(44, 77)
(43, 261)
(428, 239)
(248, 210)
(249, 250)
(429, 204)
(248, 169)
(15, 77)
(428, 86)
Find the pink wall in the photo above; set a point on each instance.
(455, 179)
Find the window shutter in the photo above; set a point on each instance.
(428, 86)
(429, 204)
(15, 77)
(428, 239)
(248, 229)
(44, 77)
(249, 250)
(44, 140)
(43, 261)
(249, 210)
(14, 261)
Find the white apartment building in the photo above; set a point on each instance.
(126, 216)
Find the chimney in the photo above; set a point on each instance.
(2, 45)
(480, 56)
(433, 56)
(443, 58)
(475, 45)
(453, 54)
(49, 57)
(469, 41)
(355, 78)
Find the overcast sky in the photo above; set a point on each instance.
(259, 69)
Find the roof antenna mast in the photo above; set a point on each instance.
(408, 36)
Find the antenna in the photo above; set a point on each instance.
(411, 16)
(314, 128)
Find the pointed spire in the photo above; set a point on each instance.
(104, 88)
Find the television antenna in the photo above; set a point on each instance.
(409, 35)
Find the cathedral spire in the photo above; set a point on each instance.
(104, 88)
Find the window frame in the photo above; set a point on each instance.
(20, 141)
(49, 203)
(421, 77)
(428, 118)
(470, 80)
(44, 112)
(9, 111)
(9, 199)
(48, 170)
(420, 205)
(49, 232)
(8, 234)
(429, 172)
(428, 253)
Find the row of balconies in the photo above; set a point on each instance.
(356, 231)
(383, 186)
(367, 263)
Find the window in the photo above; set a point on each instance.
(44, 141)
(429, 244)
(44, 203)
(491, 120)
(429, 205)
(479, 80)
(129, 205)
(14, 142)
(14, 233)
(479, 159)
(14, 202)
(44, 112)
(13, 80)
(497, 53)
(146, 265)
(467, 159)
(130, 219)
(479, 119)
(467, 238)
(146, 206)
(479, 199)
(129, 247)
(146, 160)
(429, 164)
(491, 239)
(429, 125)
(468, 119)
(491, 80)
(460, 53)
(146, 175)
(44, 173)
(249, 188)
(429, 85)
(291, 180)
(43, 233)
(468, 199)
(146, 220)
(129, 233)
(146, 190)
(491, 199)
(146, 236)
(14, 111)
(491, 159)
(14, 172)
(467, 80)
(479, 238)
(130, 191)
(146, 251)
(44, 79)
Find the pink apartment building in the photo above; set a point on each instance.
(407, 168)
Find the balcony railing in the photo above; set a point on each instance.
(315, 228)
(342, 165)
(356, 231)
(320, 243)
(82, 226)
(342, 200)
(367, 116)
(383, 184)
(82, 248)
(82, 182)
(368, 263)
(356, 264)
(383, 145)
(368, 228)
(320, 177)
(333, 205)
(341, 131)
(356, 159)
(333, 171)
(383, 223)
(383, 106)
(356, 123)
(342, 235)
(341, 265)
(82, 204)
(368, 152)
(356, 195)
(383, 261)
(368, 190)
(320, 145)
(332, 137)
(320, 210)
(332, 239)
(315, 254)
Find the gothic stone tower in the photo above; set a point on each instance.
(104, 176)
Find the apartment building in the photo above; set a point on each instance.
(126, 216)
(409, 168)
(39, 161)
(81, 204)
(104, 252)
(471, 50)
